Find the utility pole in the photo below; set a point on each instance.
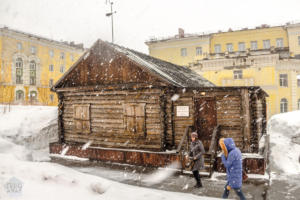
(111, 14)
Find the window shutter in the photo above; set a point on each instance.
(140, 118)
(82, 118)
(134, 118)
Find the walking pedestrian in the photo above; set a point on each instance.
(232, 160)
(196, 154)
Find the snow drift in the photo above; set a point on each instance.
(284, 131)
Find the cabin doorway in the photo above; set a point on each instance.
(205, 119)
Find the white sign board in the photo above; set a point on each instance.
(182, 111)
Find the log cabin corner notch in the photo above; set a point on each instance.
(121, 98)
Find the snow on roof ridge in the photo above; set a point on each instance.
(136, 58)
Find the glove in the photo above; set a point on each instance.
(228, 187)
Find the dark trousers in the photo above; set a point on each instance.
(238, 191)
(197, 178)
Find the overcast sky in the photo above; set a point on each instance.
(138, 20)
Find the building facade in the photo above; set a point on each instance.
(268, 57)
(30, 65)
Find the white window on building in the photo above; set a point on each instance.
(298, 80)
(19, 71)
(50, 82)
(229, 47)
(238, 74)
(183, 52)
(19, 95)
(283, 105)
(298, 104)
(51, 53)
(266, 44)
(51, 68)
(32, 73)
(62, 55)
(19, 46)
(253, 45)
(51, 97)
(62, 69)
(33, 49)
(279, 42)
(299, 40)
(217, 48)
(198, 51)
(283, 80)
(242, 46)
(33, 96)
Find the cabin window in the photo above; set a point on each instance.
(82, 118)
(283, 105)
(134, 118)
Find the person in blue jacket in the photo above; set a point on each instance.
(232, 160)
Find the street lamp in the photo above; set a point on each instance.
(111, 14)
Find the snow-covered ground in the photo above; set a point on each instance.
(284, 131)
(43, 180)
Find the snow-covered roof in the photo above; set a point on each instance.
(173, 74)
(176, 75)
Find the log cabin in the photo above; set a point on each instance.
(137, 109)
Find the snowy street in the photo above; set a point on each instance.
(24, 156)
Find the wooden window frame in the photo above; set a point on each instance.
(83, 121)
(137, 120)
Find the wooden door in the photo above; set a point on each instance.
(205, 119)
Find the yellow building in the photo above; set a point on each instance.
(30, 65)
(264, 56)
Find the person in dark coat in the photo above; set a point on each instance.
(232, 160)
(197, 151)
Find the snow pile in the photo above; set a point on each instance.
(47, 181)
(284, 131)
(30, 126)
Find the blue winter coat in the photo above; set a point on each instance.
(233, 164)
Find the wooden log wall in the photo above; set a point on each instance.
(106, 113)
(258, 122)
(229, 114)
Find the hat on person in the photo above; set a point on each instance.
(194, 134)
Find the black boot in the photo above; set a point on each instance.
(198, 179)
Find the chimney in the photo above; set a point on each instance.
(180, 33)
